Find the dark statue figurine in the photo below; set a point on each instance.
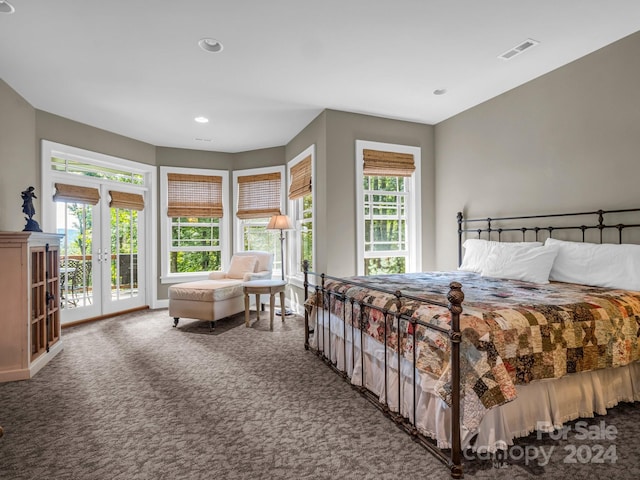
(29, 210)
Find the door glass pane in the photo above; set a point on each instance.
(75, 221)
(124, 254)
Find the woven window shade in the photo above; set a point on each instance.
(128, 201)
(76, 194)
(194, 195)
(258, 195)
(388, 164)
(300, 179)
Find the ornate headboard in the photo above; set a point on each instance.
(600, 221)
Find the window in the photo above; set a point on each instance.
(388, 193)
(195, 245)
(258, 196)
(76, 165)
(301, 211)
(195, 223)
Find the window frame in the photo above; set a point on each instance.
(295, 209)
(147, 188)
(166, 224)
(238, 223)
(413, 205)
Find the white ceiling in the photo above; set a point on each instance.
(134, 67)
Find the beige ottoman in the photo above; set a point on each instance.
(206, 300)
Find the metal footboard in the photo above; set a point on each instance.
(455, 297)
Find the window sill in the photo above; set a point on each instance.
(296, 281)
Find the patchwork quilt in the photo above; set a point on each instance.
(513, 332)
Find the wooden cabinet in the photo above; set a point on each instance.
(30, 302)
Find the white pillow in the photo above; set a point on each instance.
(600, 265)
(241, 264)
(526, 264)
(477, 250)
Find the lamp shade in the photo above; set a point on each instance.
(280, 222)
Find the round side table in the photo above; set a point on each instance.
(259, 287)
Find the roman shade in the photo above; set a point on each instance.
(76, 194)
(259, 195)
(388, 164)
(125, 200)
(300, 179)
(194, 195)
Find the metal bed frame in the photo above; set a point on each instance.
(455, 299)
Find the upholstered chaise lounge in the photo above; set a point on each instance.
(221, 295)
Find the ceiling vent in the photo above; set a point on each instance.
(518, 49)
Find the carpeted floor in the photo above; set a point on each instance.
(133, 398)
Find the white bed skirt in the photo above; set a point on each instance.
(543, 405)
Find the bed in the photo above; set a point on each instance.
(495, 350)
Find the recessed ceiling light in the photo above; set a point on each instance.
(440, 91)
(201, 119)
(210, 45)
(6, 7)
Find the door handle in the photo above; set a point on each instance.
(103, 256)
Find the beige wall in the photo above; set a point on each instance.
(178, 157)
(62, 130)
(343, 129)
(567, 141)
(18, 158)
(265, 157)
(335, 133)
(21, 129)
(315, 134)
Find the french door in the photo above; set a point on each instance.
(101, 258)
